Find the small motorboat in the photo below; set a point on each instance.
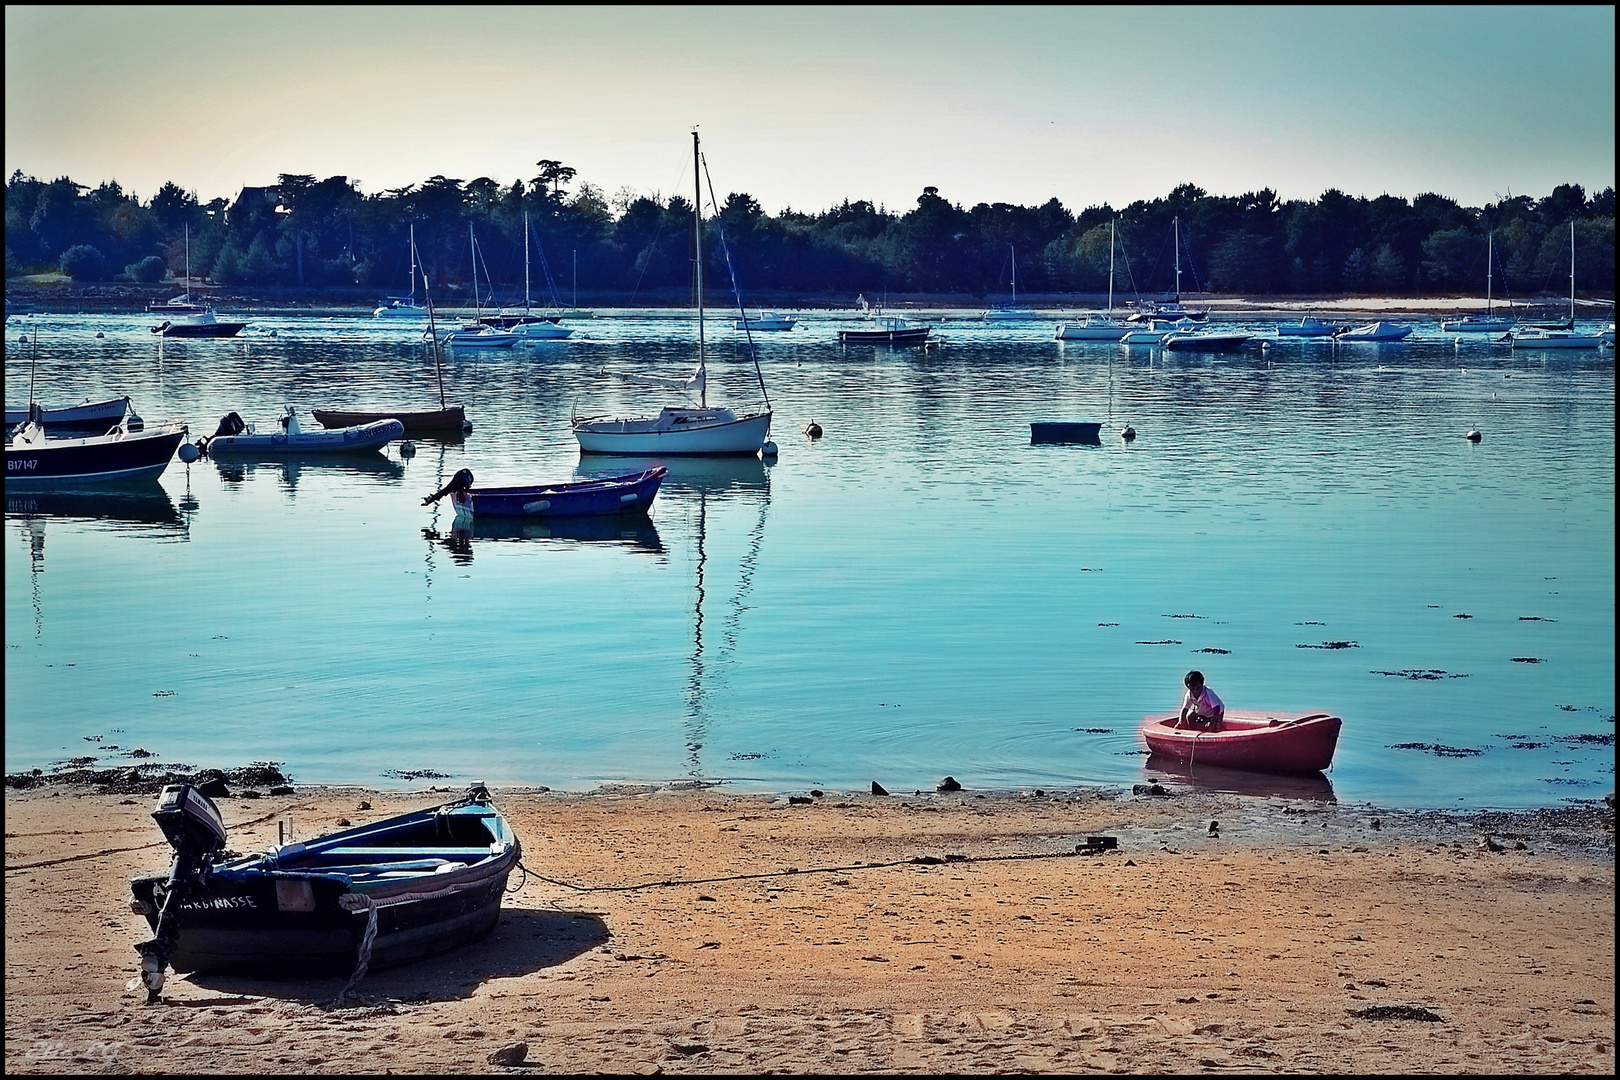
(1308, 327)
(367, 897)
(765, 320)
(1256, 741)
(235, 437)
(887, 330)
(1375, 331)
(87, 414)
(1204, 341)
(121, 456)
(631, 493)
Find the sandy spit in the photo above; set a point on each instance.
(1246, 951)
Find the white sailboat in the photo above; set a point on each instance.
(1095, 328)
(1150, 310)
(1013, 312)
(529, 326)
(1486, 323)
(404, 307)
(475, 334)
(681, 429)
(1538, 337)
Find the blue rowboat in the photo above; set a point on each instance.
(372, 896)
(632, 493)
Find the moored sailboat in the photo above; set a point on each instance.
(682, 429)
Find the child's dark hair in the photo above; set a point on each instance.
(1193, 679)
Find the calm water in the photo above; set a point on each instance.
(920, 592)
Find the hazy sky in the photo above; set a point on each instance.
(805, 107)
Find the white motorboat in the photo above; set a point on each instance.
(235, 437)
(1309, 327)
(765, 320)
(682, 429)
(1204, 341)
(1375, 331)
(479, 336)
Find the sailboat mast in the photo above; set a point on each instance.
(1489, 239)
(1177, 225)
(1572, 273)
(478, 308)
(525, 262)
(1111, 268)
(188, 262)
(1015, 274)
(413, 263)
(697, 230)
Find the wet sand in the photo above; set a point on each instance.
(1249, 951)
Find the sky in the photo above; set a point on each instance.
(807, 107)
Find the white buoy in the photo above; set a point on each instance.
(189, 453)
(769, 449)
(812, 430)
(1473, 435)
(407, 449)
(99, 334)
(1127, 433)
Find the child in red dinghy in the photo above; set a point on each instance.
(1200, 707)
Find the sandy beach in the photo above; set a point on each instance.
(802, 937)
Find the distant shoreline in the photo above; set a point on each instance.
(102, 299)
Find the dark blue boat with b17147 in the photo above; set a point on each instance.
(632, 493)
(121, 456)
(367, 897)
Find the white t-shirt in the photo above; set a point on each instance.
(1205, 704)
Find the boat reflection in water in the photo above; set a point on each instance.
(712, 476)
(633, 531)
(1212, 779)
(730, 484)
(290, 467)
(144, 509)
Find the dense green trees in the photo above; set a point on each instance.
(318, 232)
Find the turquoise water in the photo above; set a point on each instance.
(920, 592)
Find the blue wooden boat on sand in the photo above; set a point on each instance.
(631, 493)
(367, 897)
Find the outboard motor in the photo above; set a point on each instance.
(229, 424)
(192, 824)
(462, 481)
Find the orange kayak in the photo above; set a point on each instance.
(1257, 741)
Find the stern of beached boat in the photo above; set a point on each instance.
(368, 897)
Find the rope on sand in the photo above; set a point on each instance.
(920, 860)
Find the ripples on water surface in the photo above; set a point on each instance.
(921, 592)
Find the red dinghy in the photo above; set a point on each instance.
(1257, 741)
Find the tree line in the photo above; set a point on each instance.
(317, 233)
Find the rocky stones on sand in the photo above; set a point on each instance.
(515, 1054)
(1156, 790)
(800, 800)
(948, 784)
(1396, 1012)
